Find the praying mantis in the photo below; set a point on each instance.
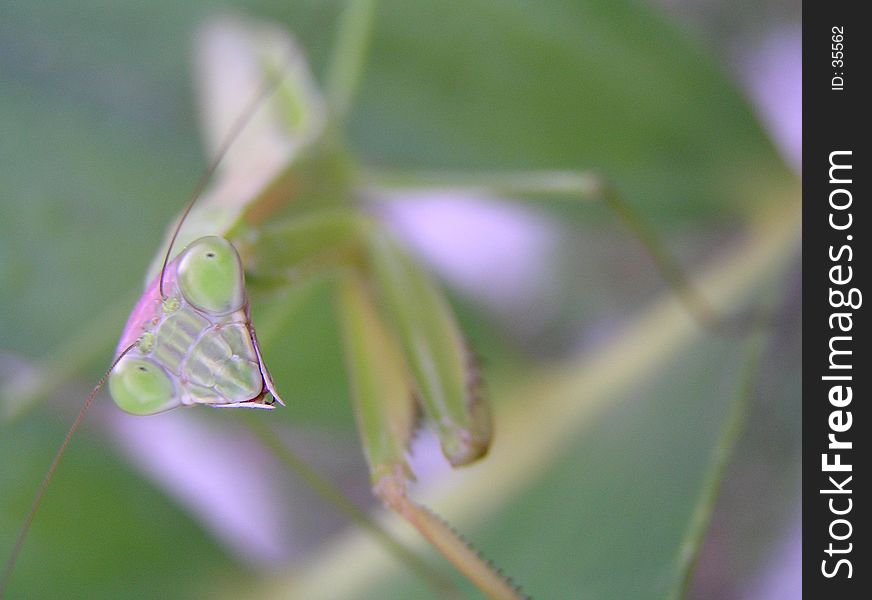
(190, 339)
(401, 339)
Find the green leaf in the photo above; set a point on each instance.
(472, 85)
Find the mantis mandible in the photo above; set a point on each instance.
(283, 212)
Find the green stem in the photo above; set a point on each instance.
(349, 55)
(691, 545)
(440, 582)
(585, 185)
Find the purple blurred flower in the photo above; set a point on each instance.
(500, 255)
(772, 74)
(222, 476)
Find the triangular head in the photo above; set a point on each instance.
(194, 342)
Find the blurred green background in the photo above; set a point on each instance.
(99, 146)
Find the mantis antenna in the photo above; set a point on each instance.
(266, 89)
(40, 492)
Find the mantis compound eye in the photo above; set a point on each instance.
(141, 387)
(211, 277)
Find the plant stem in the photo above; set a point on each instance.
(691, 545)
(349, 55)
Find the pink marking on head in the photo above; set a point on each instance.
(147, 308)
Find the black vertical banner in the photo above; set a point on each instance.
(837, 562)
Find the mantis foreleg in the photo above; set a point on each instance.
(401, 345)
